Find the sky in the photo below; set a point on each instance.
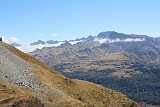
(31, 20)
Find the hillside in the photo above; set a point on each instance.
(26, 82)
(125, 62)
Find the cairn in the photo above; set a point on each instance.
(0, 38)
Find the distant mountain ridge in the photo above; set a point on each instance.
(26, 82)
(126, 62)
(103, 37)
(15, 44)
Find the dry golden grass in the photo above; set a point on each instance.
(62, 91)
(12, 95)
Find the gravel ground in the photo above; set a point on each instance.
(14, 69)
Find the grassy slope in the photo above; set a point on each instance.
(69, 92)
(16, 96)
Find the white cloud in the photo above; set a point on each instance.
(30, 48)
(40, 34)
(135, 40)
(119, 40)
(54, 34)
(74, 42)
(10, 40)
(27, 47)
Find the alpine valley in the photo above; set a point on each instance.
(26, 82)
(124, 62)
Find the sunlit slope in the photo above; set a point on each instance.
(51, 89)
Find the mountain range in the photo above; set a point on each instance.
(26, 82)
(128, 63)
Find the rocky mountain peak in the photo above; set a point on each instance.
(112, 35)
(38, 42)
(66, 44)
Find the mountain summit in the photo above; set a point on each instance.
(125, 62)
(115, 35)
(103, 37)
(26, 82)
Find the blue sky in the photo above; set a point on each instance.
(30, 20)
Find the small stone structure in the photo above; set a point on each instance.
(0, 38)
